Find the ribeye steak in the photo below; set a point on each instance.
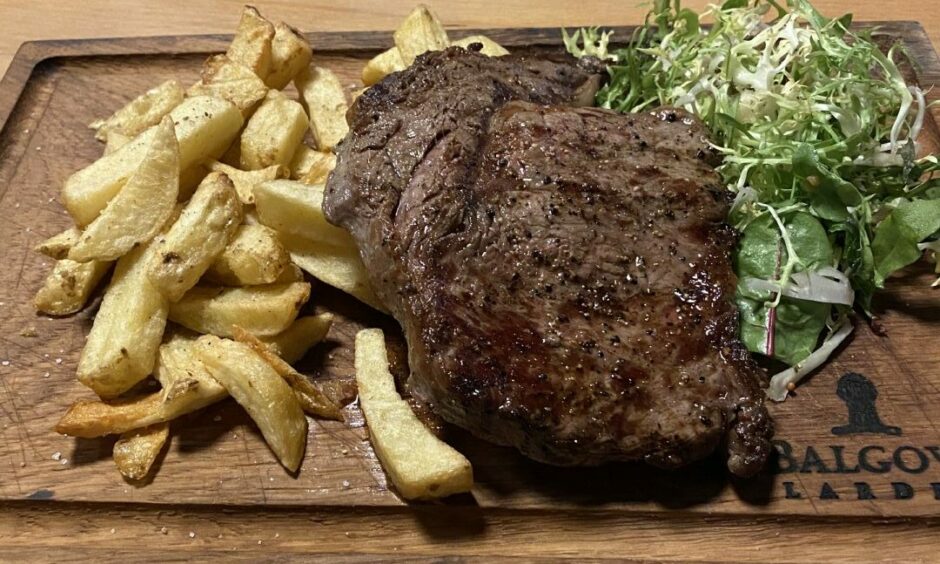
(562, 273)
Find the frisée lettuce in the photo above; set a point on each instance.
(817, 128)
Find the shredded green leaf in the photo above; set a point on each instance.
(817, 127)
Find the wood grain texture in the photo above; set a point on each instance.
(79, 533)
(52, 19)
(217, 458)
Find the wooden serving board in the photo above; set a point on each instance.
(843, 454)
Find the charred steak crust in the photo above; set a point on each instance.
(562, 274)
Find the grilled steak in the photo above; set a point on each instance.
(562, 274)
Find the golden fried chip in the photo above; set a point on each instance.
(420, 32)
(273, 133)
(205, 227)
(246, 180)
(69, 285)
(382, 65)
(490, 47)
(251, 45)
(122, 346)
(59, 245)
(232, 81)
(139, 210)
(264, 394)
(141, 113)
(261, 310)
(290, 54)
(338, 266)
(137, 450)
(311, 397)
(418, 463)
(325, 101)
(292, 207)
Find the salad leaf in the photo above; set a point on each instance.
(797, 327)
(897, 236)
(829, 195)
(795, 324)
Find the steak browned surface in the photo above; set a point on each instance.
(562, 274)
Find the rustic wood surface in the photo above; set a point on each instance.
(61, 497)
(30, 20)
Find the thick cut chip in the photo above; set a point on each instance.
(115, 141)
(312, 399)
(137, 450)
(382, 65)
(246, 180)
(260, 310)
(205, 127)
(187, 387)
(140, 113)
(311, 166)
(90, 419)
(490, 47)
(325, 102)
(226, 79)
(206, 226)
(122, 346)
(337, 265)
(419, 464)
(140, 209)
(69, 285)
(273, 133)
(251, 45)
(255, 256)
(264, 394)
(294, 342)
(290, 54)
(292, 207)
(419, 33)
(59, 245)
(179, 371)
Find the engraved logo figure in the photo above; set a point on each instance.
(859, 395)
